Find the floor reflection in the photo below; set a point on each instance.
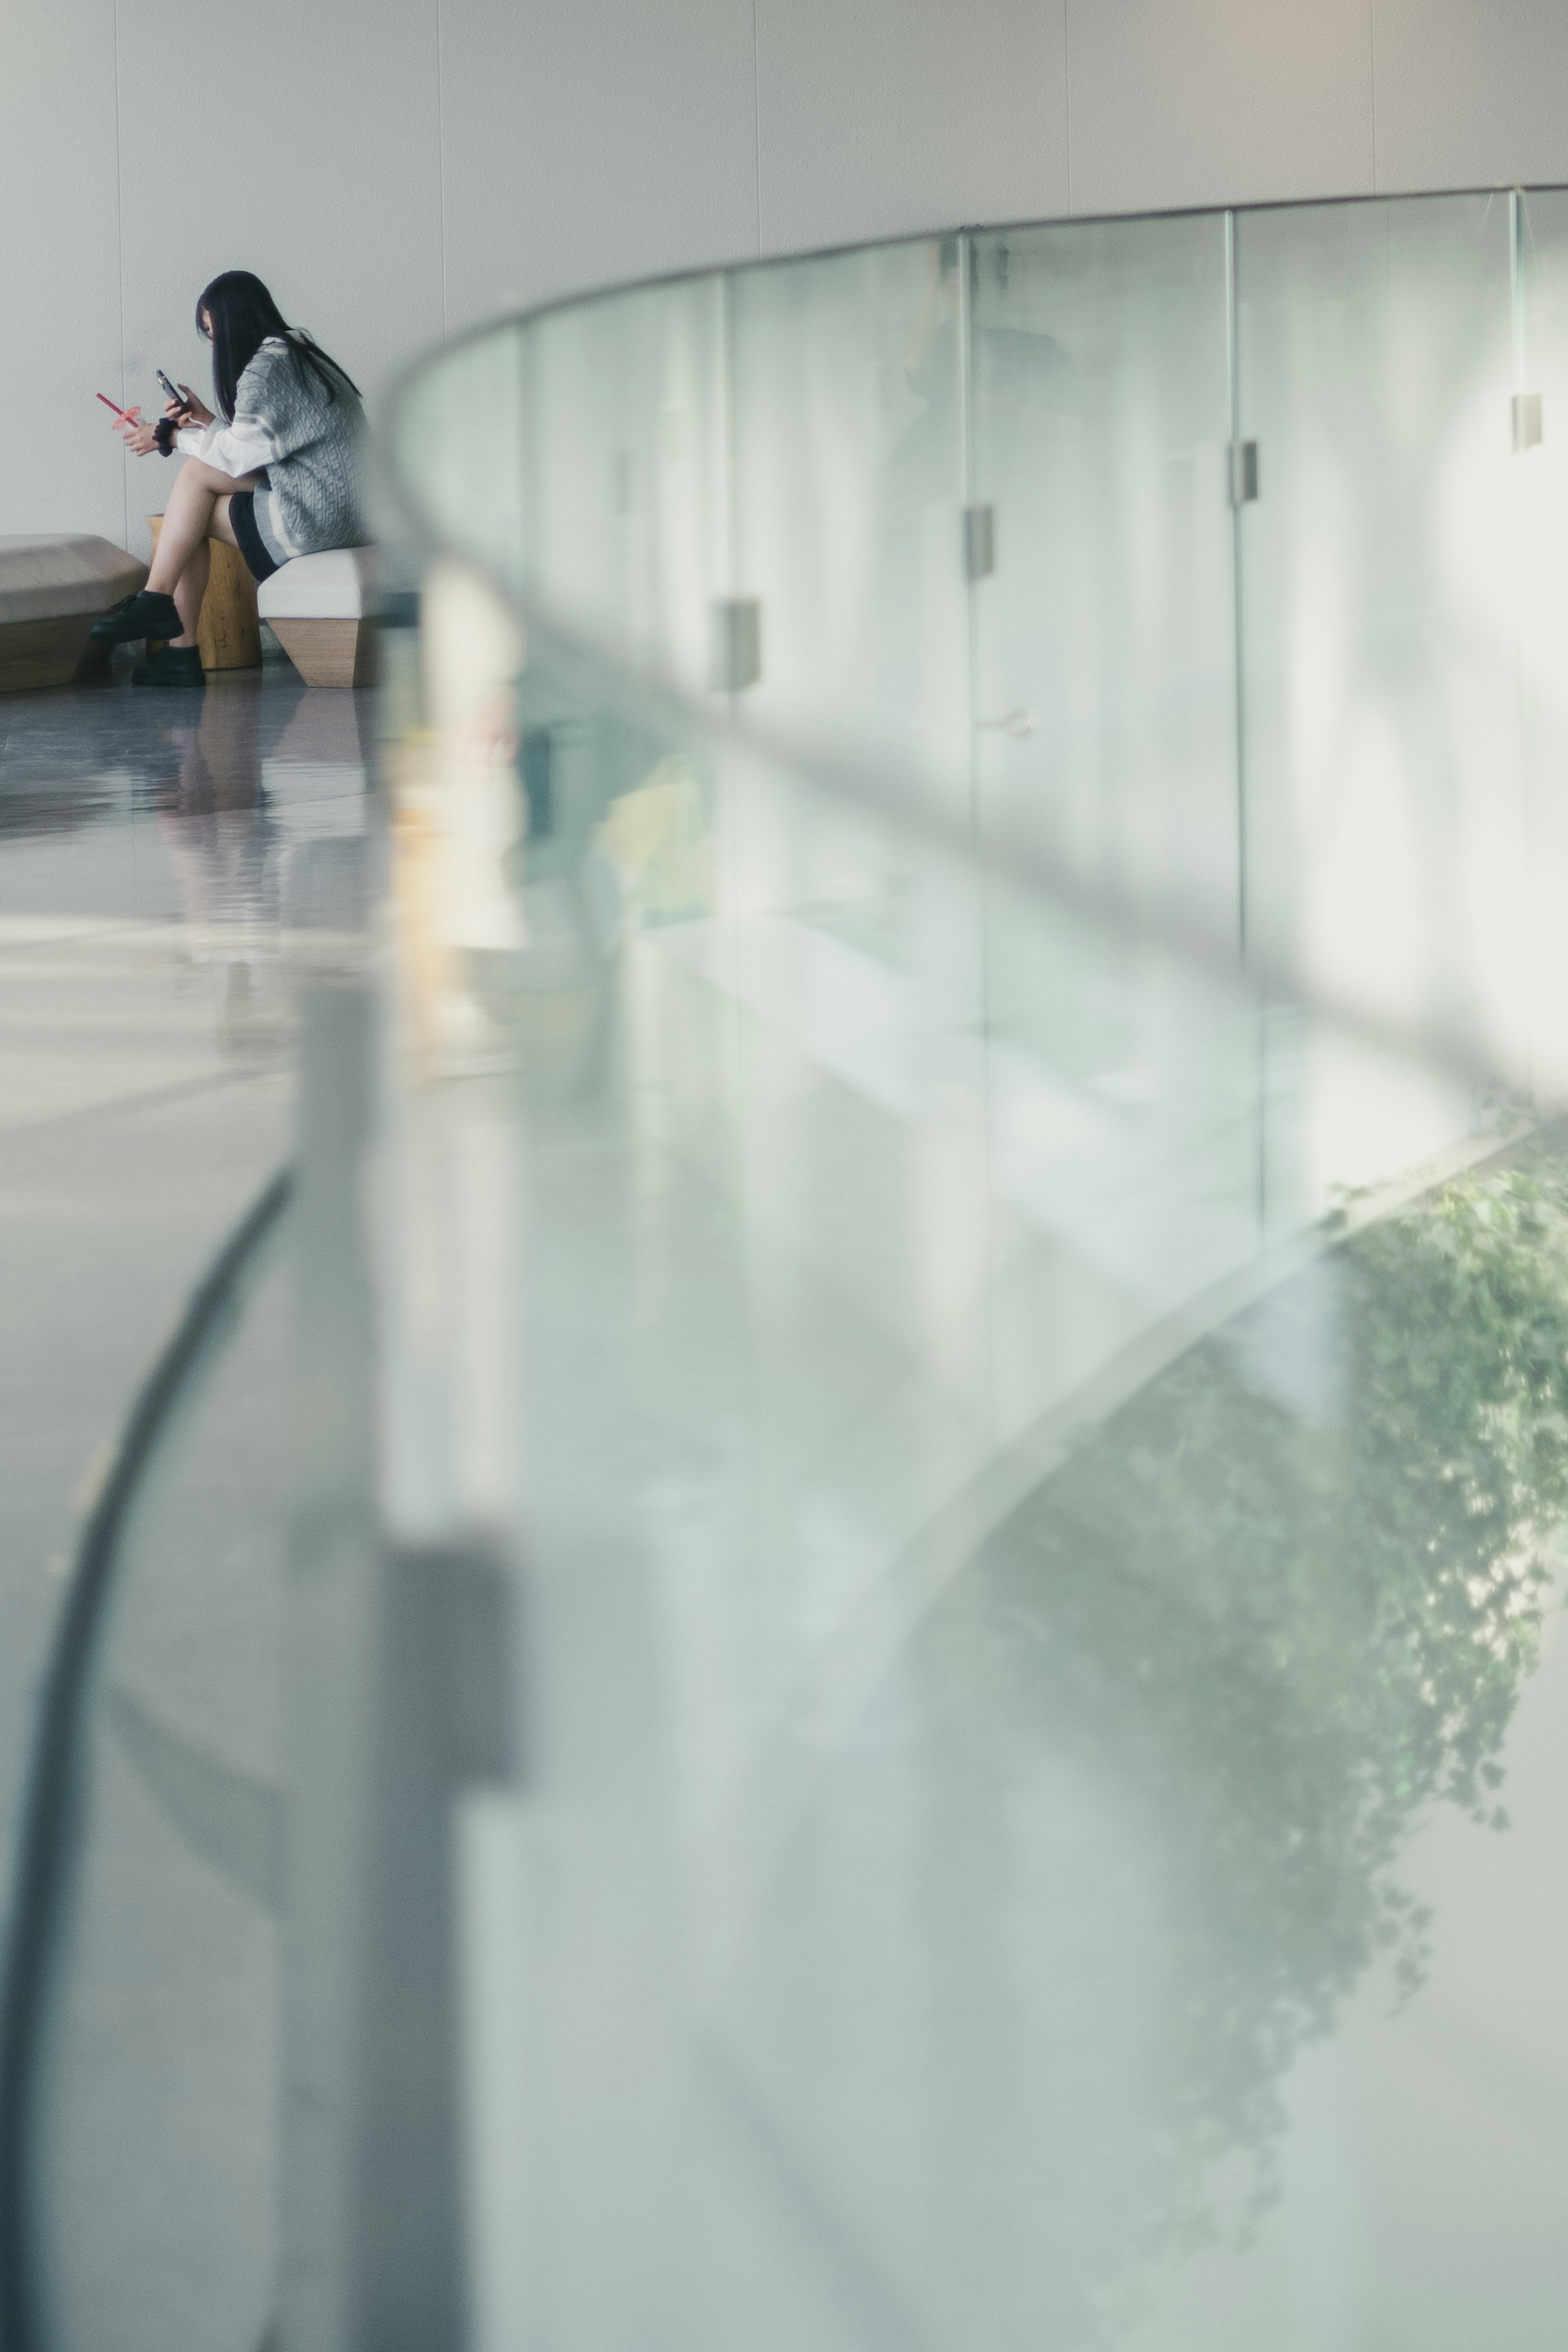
(233, 825)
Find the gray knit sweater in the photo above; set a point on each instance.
(311, 500)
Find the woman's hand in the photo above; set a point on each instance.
(192, 413)
(135, 434)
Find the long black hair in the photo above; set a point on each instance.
(242, 314)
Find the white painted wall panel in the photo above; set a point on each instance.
(590, 140)
(316, 165)
(889, 117)
(1470, 93)
(1178, 102)
(59, 271)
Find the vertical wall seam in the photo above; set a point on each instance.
(1067, 91)
(1236, 428)
(1371, 53)
(120, 281)
(757, 119)
(441, 161)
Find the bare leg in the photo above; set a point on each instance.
(191, 587)
(198, 506)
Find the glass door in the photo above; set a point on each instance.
(1385, 841)
(1099, 544)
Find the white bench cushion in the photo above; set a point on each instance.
(55, 579)
(332, 587)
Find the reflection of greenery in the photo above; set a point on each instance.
(1277, 1630)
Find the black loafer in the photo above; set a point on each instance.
(141, 616)
(174, 665)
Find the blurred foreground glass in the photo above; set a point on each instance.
(1008, 1667)
(984, 1252)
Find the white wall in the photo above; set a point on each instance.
(395, 168)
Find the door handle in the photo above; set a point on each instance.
(1019, 724)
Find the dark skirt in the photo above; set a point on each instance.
(252, 546)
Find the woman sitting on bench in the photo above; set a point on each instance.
(275, 473)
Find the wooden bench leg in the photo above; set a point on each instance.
(228, 633)
(329, 653)
(46, 653)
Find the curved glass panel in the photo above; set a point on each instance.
(973, 1240)
(1030, 795)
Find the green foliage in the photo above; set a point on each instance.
(1279, 1616)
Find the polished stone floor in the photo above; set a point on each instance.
(169, 867)
(173, 871)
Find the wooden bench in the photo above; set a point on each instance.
(317, 608)
(52, 588)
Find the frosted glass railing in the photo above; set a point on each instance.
(1328, 720)
(964, 1219)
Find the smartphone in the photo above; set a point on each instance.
(179, 398)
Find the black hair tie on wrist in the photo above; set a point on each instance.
(163, 433)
